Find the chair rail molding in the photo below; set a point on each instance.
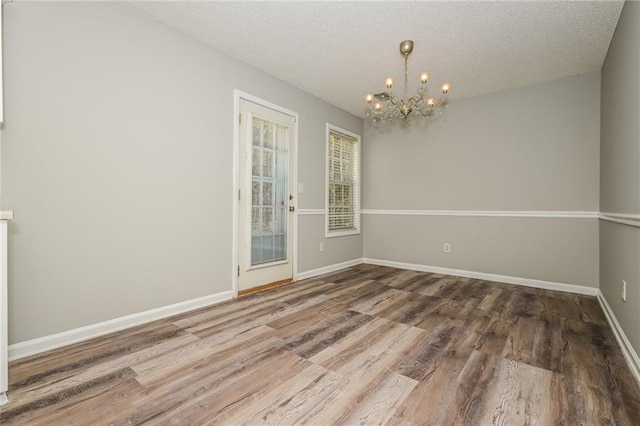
(486, 213)
(309, 212)
(621, 218)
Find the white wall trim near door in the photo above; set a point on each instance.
(486, 213)
(621, 218)
(627, 350)
(5, 216)
(527, 282)
(47, 343)
(331, 268)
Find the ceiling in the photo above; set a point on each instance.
(340, 51)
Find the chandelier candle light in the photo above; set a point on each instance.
(387, 106)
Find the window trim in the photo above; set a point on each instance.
(335, 129)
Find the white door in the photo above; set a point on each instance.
(266, 204)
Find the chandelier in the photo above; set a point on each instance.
(387, 106)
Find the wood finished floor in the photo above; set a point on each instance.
(367, 344)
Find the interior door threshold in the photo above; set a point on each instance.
(264, 287)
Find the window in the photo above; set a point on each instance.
(343, 182)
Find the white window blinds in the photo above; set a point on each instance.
(343, 185)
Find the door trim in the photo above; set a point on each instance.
(237, 96)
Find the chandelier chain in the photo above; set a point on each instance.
(406, 76)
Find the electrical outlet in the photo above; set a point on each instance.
(447, 248)
(624, 291)
(321, 247)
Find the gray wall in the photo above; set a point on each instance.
(533, 148)
(117, 159)
(620, 171)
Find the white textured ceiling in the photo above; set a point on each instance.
(339, 51)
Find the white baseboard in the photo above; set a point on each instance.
(3, 398)
(528, 282)
(46, 343)
(627, 350)
(326, 269)
(42, 344)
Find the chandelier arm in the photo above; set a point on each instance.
(394, 101)
(416, 98)
(419, 96)
(420, 106)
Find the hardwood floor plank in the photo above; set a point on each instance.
(378, 406)
(65, 398)
(548, 347)
(452, 309)
(490, 300)
(397, 278)
(366, 370)
(520, 394)
(155, 376)
(298, 404)
(343, 351)
(102, 408)
(78, 357)
(291, 324)
(41, 390)
(519, 345)
(472, 390)
(253, 312)
(425, 403)
(178, 391)
(272, 373)
(599, 391)
(420, 360)
(325, 333)
(282, 400)
(416, 282)
(412, 310)
(155, 369)
(263, 316)
(245, 305)
(438, 285)
(381, 300)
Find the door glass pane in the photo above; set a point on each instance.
(256, 161)
(267, 163)
(255, 192)
(269, 192)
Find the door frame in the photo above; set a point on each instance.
(237, 96)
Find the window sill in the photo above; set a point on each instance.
(342, 233)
